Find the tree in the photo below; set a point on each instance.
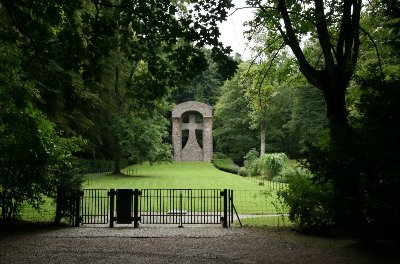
(140, 130)
(34, 158)
(333, 28)
(165, 36)
(53, 65)
(336, 26)
(257, 95)
(307, 122)
(203, 87)
(232, 120)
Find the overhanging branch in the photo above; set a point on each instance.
(377, 51)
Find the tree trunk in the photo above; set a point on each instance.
(335, 99)
(59, 201)
(262, 139)
(117, 147)
(117, 157)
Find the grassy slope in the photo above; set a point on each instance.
(249, 197)
(179, 175)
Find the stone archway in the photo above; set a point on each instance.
(192, 150)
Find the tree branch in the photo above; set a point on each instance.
(259, 53)
(377, 51)
(270, 63)
(291, 40)
(323, 36)
(344, 27)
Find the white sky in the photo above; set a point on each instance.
(232, 29)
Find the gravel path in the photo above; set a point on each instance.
(191, 244)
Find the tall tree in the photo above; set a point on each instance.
(336, 26)
(257, 95)
(232, 120)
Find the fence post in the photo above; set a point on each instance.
(180, 210)
(136, 218)
(111, 193)
(231, 207)
(225, 217)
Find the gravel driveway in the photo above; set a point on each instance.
(161, 244)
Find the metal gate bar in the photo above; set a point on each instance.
(94, 206)
(181, 206)
(160, 206)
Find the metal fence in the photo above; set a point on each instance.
(94, 207)
(156, 206)
(175, 206)
(181, 206)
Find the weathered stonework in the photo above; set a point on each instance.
(192, 151)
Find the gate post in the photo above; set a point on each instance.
(231, 207)
(77, 202)
(111, 193)
(136, 218)
(225, 217)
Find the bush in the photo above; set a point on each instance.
(219, 155)
(311, 203)
(269, 165)
(250, 163)
(226, 164)
(243, 171)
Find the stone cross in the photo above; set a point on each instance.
(192, 126)
(192, 150)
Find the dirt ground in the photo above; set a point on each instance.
(181, 245)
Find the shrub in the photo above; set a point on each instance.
(243, 171)
(226, 164)
(250, 162)
(269, 165)
(311, 203)
(219, 155)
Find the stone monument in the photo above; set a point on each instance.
(192, 150)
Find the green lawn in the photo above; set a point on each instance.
(249, 196)
(179, 175)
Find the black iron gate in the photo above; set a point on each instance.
(156, 206)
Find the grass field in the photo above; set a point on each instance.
(249, 197)
(179, 175)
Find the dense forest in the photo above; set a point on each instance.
(97, 79)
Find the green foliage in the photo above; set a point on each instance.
(222, 162)
(204, 87)
(359, 159)
(310, 203)
(268, 165)
(271, 164)
(294, 114)
(34, 158)
(232, 122)
(141, 138)
(251, 163)
(308, 119)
